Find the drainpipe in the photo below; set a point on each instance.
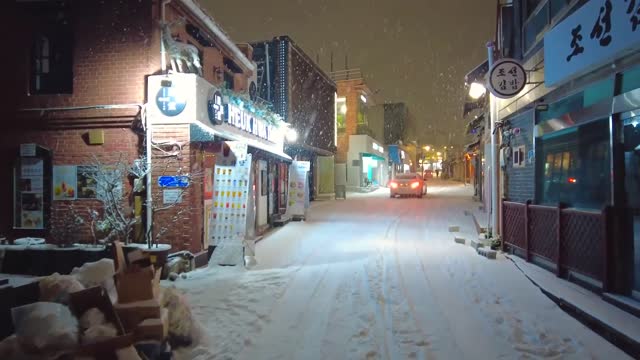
(163, 60)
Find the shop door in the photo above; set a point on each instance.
(262, 194)
(632, 185)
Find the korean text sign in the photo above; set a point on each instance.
(597, 33)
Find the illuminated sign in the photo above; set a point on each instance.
(244, 120)
(170, 101)
(215, 108)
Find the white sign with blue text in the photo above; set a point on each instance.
(597, 33)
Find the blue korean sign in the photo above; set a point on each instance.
(597, 33)
(173, 181)
(170, 101)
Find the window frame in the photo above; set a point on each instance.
(58, 79)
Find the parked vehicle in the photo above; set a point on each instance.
(428, 174)
(409, 184)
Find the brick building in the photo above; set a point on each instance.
(82, 89)
(365, 156)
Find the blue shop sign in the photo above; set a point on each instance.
(173, 181)
(597, 33)
(170, 101)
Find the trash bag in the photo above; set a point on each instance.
(56, 288)
(45, 327)
(181, 322)
(99, 273)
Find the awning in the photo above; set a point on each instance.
(471, 146)
(476, 75)
(374, 156)
(202, 133)
(294, 149)
(477, 122)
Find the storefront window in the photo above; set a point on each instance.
(362, 113)
(341, 115)
(575, 167)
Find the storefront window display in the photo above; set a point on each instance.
(575, 167)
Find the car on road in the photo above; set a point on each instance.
(408, 184)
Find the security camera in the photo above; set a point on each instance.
(516, 131)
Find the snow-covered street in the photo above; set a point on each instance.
(379, 278)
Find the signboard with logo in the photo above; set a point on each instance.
(506, 78)
(597, 33)
(215, 108)
(170, 100)
(248, 122)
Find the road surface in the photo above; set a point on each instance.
(379, 278)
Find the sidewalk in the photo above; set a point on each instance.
(617, 326)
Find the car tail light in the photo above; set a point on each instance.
(394, 185)
(415, 184)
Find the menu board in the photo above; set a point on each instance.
(230, 196)
(29, 199)
(298, 188)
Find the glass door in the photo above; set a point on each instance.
(632, 185)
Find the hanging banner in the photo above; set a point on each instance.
(298, 188)
(230, 196)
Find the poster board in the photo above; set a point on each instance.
(65, 180)
(298, 189)
(29, 193)
(230, 200)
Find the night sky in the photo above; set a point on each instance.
(416, 51)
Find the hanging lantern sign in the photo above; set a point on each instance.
(507, 78)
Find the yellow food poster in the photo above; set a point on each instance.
(64, 182)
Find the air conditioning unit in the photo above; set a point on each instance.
(250, 89)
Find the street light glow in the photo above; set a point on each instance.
(476, 90)
(428, 148)
(363, 98)
(291, 135)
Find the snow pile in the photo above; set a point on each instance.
(374, 277)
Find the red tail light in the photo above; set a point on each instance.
(393, 184)
(415, 184)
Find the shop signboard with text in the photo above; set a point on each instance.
(599, 32)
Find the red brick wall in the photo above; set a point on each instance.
(68, 147)
(181, 224)
(112, 42)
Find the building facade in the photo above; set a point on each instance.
(155, 86)
(365, 156)
(304, 95)
(570, 140)
(396, 115)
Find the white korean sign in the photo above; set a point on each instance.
(597, 33)
(507, 78)
(172, 196)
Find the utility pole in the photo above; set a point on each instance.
(494, 164)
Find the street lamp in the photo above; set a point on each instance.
(291, 135)
(427, 148)
(476, 90)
